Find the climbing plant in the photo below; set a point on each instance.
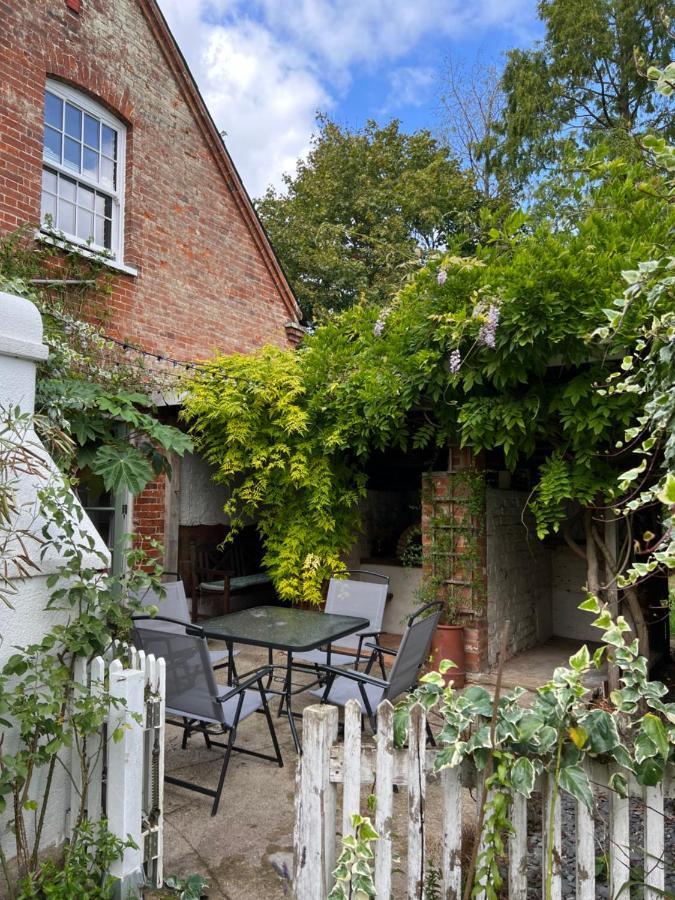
(559, 732)
(491, 351)
(89, 387)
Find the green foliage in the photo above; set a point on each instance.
(349, 222)
(192, 887)
(84, 871)
(353, 874)
(559, 732)
(582, 84)
(87, 389)
(50, 712)
(492, 351)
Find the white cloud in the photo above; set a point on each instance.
(410, 86)
(266, 66)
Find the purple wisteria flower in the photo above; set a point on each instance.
(378, 328)
(488, 330)
(455, 361)
(442, 277)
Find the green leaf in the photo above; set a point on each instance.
(575, 781)
(591, 604)
(522, 776)
(602, 732)
(122, 466)
(655, 730)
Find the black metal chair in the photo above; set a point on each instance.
(203, 705)
(174, 605)
(350, 684)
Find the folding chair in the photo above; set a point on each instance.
(174, 606)
(350, 684)
(362, 594)
(203, 705)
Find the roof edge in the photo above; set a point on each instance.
(188, 85)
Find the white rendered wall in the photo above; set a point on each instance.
(518, 575)
(20, 348)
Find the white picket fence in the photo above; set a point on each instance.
(326, 763)
(127, 775)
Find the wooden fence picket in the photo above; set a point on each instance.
(325, 763)
(384, 797)
(417, 779)
(551, 834)
(654, 842)
(518, 849)
(619, 843)
(585, 852)
(351, 794)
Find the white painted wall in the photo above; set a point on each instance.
(404, 582)
(568, 580)
(201, 498)
(518, 575)
(20, 348)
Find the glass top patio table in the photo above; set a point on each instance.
(282, 628)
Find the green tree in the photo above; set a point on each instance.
(350, 220)
(582, 80)
(491, 350)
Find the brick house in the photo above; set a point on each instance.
(105, 137)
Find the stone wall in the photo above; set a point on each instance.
(518, 575)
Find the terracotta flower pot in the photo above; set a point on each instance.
(448, 643)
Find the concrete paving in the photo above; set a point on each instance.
(245, 851)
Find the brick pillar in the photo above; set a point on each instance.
(149, 512)
(454, 546)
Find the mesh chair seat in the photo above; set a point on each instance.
(174, 605)
(343, 685)
(320, 658)
(252, 702)
(344, 689)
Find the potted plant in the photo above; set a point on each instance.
(448, 640)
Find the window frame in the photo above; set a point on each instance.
(86, 104)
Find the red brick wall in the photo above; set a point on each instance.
(443, 498)
(206, 280)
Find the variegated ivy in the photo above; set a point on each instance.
(558, 733)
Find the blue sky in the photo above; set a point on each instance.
(266, 66)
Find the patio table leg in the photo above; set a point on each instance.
(288, 686)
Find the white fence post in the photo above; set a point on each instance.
(451, 786)
(384, 794)
(518, 849)
(654, 841)
(417, 779)
(619, 842)
(324, 765)
(351, 793)
(314, 836)
(125, 773)
(585, 841)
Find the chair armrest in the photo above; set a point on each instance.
(252, 679)
(382, 649)
(193, 630)
(355, 676)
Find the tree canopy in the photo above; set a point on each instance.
(348, 223)
(582, 81)
(492, 350)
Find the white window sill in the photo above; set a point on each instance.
(86, 251)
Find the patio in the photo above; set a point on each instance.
(246, 847)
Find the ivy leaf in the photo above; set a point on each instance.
(575, 781)
(650, 771)
(655, 730)
(522, 776)
(603, 736)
